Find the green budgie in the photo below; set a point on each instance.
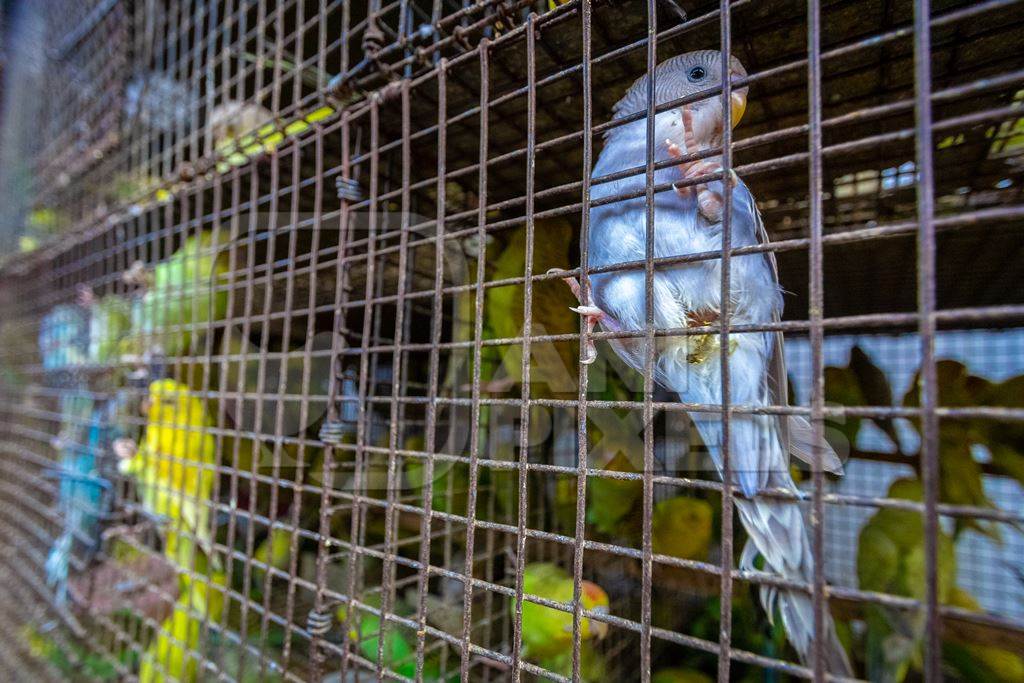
(891, 559)
(181, 295)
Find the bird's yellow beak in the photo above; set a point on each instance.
(738, 104)
(738, 96)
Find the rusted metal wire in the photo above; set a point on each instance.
(926, 307)
(390, 460)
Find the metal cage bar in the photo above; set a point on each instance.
(289, 291)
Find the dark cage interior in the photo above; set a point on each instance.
(291, 390)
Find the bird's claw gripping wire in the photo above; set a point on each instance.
(709, 203)
(591, 315)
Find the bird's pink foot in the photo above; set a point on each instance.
(136, 275)
(86, 297)
(126, 530)
(709, 202)
(591, 315)
(125, 449)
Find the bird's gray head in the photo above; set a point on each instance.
(689, 74)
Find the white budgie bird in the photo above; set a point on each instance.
(688, 220)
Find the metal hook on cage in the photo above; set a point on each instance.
(332, 431)
(349, 189)
(319, 622)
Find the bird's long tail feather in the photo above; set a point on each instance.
(775, 527)
(57, 567)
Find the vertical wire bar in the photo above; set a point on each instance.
(478, 324)
(394, 431)
(926, 311)
(282, 389)
(360, 475)
(261, 23)
(217, 24)
(218, 191)
(725, 619)
(194, 96)
(247, 320)
(229, 542)
(321, 52)
(365, 425)
(136, 252)
(275, 95)
(524, 411)
(158, 459)
(582, 457)
(338, 343)
(365, 415)
(475, 410)
(178, 62)
(164, 142)
(257, 446)
(304, 414)
(430, 443)
(394, 469)
(815, 316)
(180, 420)
(152, 459)
(196, 460)
(204, 387)
(243, 30)
(225, 66)
(647, 544)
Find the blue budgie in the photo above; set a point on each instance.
(64, 345)
(83, 492)
(71, 336)
(689, 220)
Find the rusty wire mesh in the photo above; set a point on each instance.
(355, 206)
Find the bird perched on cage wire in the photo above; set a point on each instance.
(81, 493)
(71, 336)
(177, 296)
(86, 490)
(173, 467)
(688, 219)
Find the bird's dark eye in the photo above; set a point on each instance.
(695, 74)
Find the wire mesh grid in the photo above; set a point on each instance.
(293, 392)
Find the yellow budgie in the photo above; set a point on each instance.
(172, 466)
(173, 654)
